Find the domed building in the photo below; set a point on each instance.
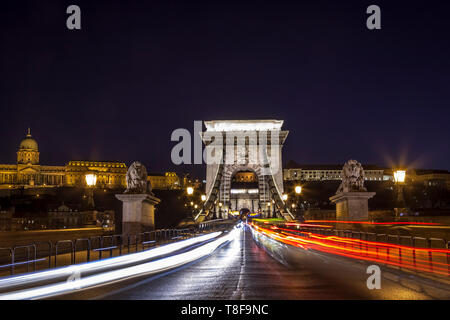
(28, 151)
(29, 173)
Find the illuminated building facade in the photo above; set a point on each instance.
(164, 181)
(294, 171)
(29, 173)
(430, 178)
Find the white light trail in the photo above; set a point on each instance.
(125, 273)
(98, 266)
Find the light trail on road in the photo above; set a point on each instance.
(98, 266)
(148, 268)
(418, 259)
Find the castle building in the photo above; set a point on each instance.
(164, 181)
(430, 178)
(293, 171)
(29, 173)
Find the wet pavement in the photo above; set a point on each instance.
(242, 269)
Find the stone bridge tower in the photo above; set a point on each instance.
(246, 145)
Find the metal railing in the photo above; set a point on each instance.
(94, 248)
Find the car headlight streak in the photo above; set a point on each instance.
(102, 265)
(127, 272)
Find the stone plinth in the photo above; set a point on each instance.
(352, 206)
(138, 213)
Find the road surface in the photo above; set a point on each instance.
(244, 270)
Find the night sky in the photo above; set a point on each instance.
(137, 70)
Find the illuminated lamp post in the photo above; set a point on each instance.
(399, 178)
(273, 209)
(220, 210)
(91, 180)
(285, 197)
(190, 192)
(298, 210)
(214, 217)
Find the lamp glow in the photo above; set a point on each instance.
(298, 189)
(91, 179)
(203, 197)
(399, 176)
(190, 190)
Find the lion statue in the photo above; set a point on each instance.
(352, 177)
(137, 179)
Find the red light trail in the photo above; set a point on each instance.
(378, 223)
(419, 259)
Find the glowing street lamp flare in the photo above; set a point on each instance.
(285, 196)
(399, 176)
(298, 189)
(203, 197)
(190, 190)
(91, 179)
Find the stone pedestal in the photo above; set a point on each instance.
(138, 214)
(352, 206)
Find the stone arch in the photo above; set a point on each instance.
(232, 169)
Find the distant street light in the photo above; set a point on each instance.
(220, 210)
(285, 197)
(91, 180)
(203, 197)
(190, 192)
(399, 178)
(298, 210)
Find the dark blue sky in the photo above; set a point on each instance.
(137, 70)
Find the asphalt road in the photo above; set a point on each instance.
(244, 270)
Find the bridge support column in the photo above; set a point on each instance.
(138, 213)
(352, 206)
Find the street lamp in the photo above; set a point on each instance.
(91, 180)
(274, 215)
(399, 176)
(203, 198)
(220, 210)
(399, 179)
(190, 192)
(285, 197)
(298, 210)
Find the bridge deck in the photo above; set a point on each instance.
(243, 270)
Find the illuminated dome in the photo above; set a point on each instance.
(28, 143)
